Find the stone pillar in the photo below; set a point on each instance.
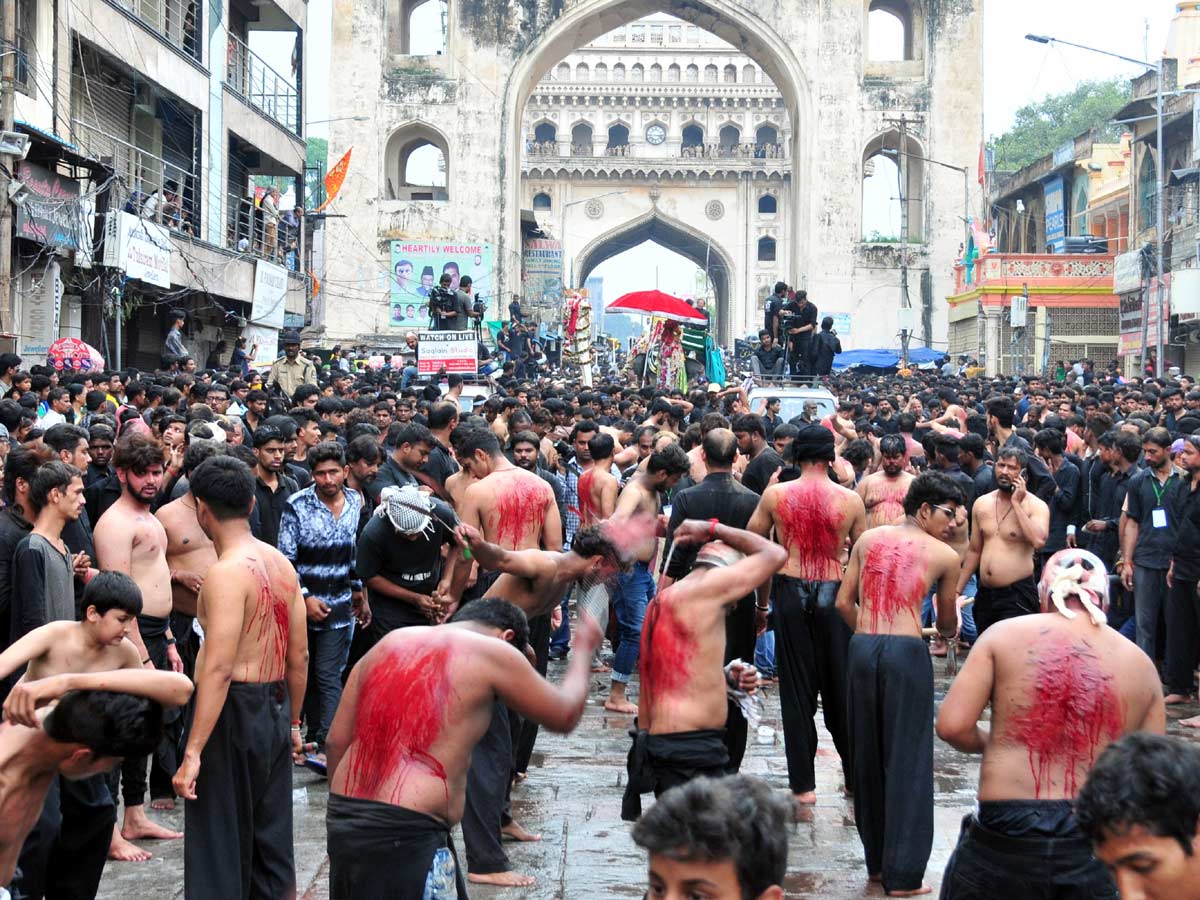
(991, 339)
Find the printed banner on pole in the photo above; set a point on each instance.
(457, 351)
(333, 181)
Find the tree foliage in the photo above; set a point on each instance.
(1041, 127)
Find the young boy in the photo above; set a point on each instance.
(723, 838)
(64, 854)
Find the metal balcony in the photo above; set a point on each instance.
(262, 87)
(174, 20)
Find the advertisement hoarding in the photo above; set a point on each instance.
(456, 351)
(542, 272)
(416, 267)
(1056, 219)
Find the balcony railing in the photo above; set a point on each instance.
(263, 88)
(146, 185)
(250, 230)
(174, 20)
(748, 152)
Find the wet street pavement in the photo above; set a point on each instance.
(573, 799)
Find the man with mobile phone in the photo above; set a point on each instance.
(1008, 527)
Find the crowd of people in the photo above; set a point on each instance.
(212, 576)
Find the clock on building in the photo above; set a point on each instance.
(656, 134)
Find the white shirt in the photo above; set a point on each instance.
(50, 418)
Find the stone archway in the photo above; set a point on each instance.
(673, 235)
(727, 19)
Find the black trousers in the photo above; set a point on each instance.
(811, 643)
(659, 762)
(63, 856)
(239, 827)
(990, 865)
(524, 739)
(488, 782)
(995, 604)
(890, 706)
(800, 354)
(378, 851)
(736, 733)
(1183, 636)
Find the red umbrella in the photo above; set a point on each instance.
(656, 303)
(72, 353)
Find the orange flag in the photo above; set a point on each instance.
(334, 179)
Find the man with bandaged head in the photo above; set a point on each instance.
(1062, 686)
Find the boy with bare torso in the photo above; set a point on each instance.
(682, 706)
(812, 518)
(598, 487)
(883, 492)
(890, 695)
(1061, 685)
(250, 679)
(401, 744)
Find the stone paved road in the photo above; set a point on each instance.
(573, 799)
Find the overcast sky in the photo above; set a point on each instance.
(1016, 72)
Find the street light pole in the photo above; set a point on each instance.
(1160, 223)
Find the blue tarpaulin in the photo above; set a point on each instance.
(886, 359)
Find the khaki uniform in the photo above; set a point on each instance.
(290, 375)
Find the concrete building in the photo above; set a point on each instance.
(164, 115)
(620, 168)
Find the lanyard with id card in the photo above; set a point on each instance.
(1158, 515)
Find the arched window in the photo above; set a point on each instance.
(729, 139)
(618, 72)
(618, 140)
(415, 164)
(1147, 193)
(731, 74)
(889, 31)
(636, 72)
(563, 72)
(766, 249)
(767, 205)
(545, 132)
(749, 75)
(542, 203)
(766, 142)
(656, 72)
(420, 29)
(582, 72)
(1079, 205)
(601, 72)
(693, 136)
(892, 190)
(673, 73)
(710, 74)
(692, 75)
(581, 140)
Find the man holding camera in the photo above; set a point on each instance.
(449, 310)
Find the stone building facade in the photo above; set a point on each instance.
(831, 106)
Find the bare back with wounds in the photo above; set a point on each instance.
(415, 707)
(883, 497)
(514, 509)
(597, 493)
(190, 553)
(812, 518)
(1061, 690)
(257, 581)
(1005, 555)
(129, 539)
(639, 501)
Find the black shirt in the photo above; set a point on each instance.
(760, 469)
(768, 358)
(797, 315)
(1061, 493)
(1186, 555)
(1144, 496)
(774, 305)
(415, 565)
(825, 347)
(268, 507)
(440, 465)
(391, 473)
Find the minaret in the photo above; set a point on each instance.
(1183, 41)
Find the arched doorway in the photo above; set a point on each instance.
(733, 23)
(678, 237)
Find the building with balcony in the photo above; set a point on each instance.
(173, 123)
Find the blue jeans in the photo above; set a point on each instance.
(328, 650)
(560, 640)
(407, 376)
(967, 631)
(764, 653)
(634, 591)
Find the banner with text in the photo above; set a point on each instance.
(542, 272)
(456, 351)
(417, 266)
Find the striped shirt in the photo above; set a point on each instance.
(322, 550)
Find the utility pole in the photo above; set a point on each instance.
(8, 79)
(905, 301)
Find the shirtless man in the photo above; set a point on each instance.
(1008, 527)
(598, 487)
(696, 454)
(812, 518)
(953, 417)
(641, 501)
(401, 744)
(129, 539)
(883, 492)
(250, 679)
(100, 718)
(1062, 685)
(890, 696)
(682, 706)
